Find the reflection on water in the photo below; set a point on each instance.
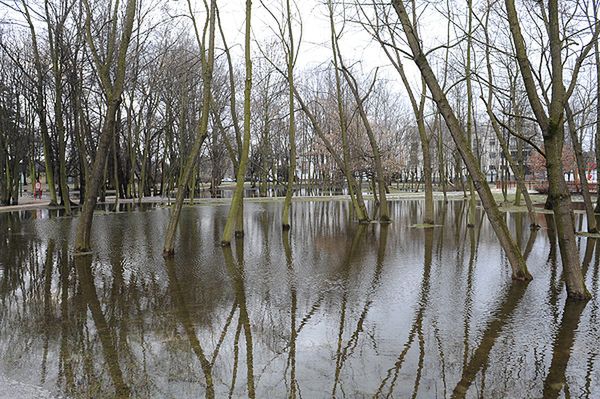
(330, 309)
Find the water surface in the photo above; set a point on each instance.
(335, 310)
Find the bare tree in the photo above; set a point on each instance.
(113, 55)
(551, 122)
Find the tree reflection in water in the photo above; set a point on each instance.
(328, 309)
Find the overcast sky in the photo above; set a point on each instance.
(356, 44)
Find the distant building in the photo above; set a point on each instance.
(493, 162)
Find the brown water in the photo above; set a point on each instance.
(337, 310)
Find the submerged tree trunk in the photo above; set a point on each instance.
(472, 204)
(519, 267)
(354, 187)
(238, 195)
(95, 180)
(427, 172)
(384, 212)
(55, 44)
(354, 190)
(552, 126)
(597, 141)
(291, 59)
(188, 171)
(441, 159)
(115, 91)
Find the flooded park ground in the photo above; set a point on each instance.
(336, 309)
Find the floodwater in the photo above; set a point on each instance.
(337, 310)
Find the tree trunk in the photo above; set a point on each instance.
(55, 44)
(285, 218)
(353, 188)
(519, 267)
(95, 179)
(238, 195)
(585, 189)
(115, 89)
(384, 212)
(183, 181)
(552, 126)
(354, 192)
(427, 173)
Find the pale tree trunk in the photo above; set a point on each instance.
(238, 195)
(207, 63)
(441, 159)
(552, 126)
(115, 91)
(236, 126)
(519, 267)
(521, 168)
(428, 217)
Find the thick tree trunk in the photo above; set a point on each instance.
(560, 199)
(552, 126)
